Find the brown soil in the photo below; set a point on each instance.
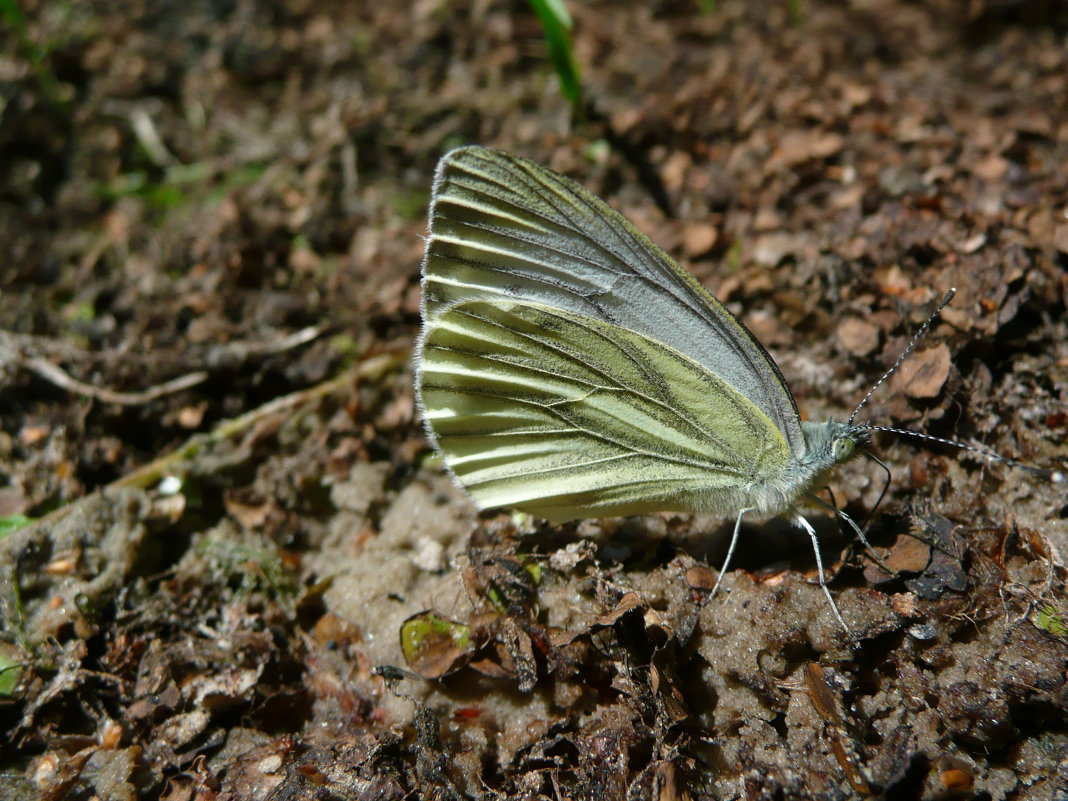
(207, 595)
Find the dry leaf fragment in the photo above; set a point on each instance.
(991, 168)
(771, 248)
(909, 554)
(846, 749)
(627, 603)
(433, 646)
(698, 239)
(973, 243)
(799, 146)
(1060, 238)
(700, 577)
(924, 373)
(893, 281)
(857, 336)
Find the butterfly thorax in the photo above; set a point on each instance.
(826, 446)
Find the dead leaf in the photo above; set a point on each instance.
(857, 336)
(991, 168)
(893, 281)
(674, 171)
(924, 373)
(700, 577)
(433, 646)
(1060, 238)
(627, 603)
(335, 631)
(904, 605)
(771, 248)
(909, 554)
(698, 239)
(973, 243)
(799, 146)
(192, 416)
(31, 435)
(856, 94)
(247, 509)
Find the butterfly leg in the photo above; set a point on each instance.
(867, 545)
(800, 520)
(858, 531)
(730, 552)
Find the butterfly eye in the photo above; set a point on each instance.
(843, 449)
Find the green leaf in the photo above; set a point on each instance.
(556, 25)
(10, 672)
(12, 523)
(1050, 619)
(434, 646)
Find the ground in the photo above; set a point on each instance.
(234, 568)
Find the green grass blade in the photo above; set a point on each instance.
(556, 25)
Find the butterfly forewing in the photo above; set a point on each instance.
(564, 415)
(504, 228)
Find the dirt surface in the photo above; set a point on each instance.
(241, 574)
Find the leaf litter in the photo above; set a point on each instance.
(234, 178)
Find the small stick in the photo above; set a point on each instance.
(56, 375)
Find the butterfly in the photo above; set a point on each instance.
(569, 368)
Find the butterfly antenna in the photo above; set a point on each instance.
(1052, 476)
(905, 353)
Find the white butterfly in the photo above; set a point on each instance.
(569, 368)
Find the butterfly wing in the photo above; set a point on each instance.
(504, 228)
(564, 416)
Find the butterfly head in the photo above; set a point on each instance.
(847, 440)
(827, 445)
(833, 443)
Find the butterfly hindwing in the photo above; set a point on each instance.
(564, 415)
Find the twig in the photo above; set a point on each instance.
(148, 136)
(19, 350)
(238, 352)
(50, 372)
(152, 472)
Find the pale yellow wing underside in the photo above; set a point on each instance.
(566, 416)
